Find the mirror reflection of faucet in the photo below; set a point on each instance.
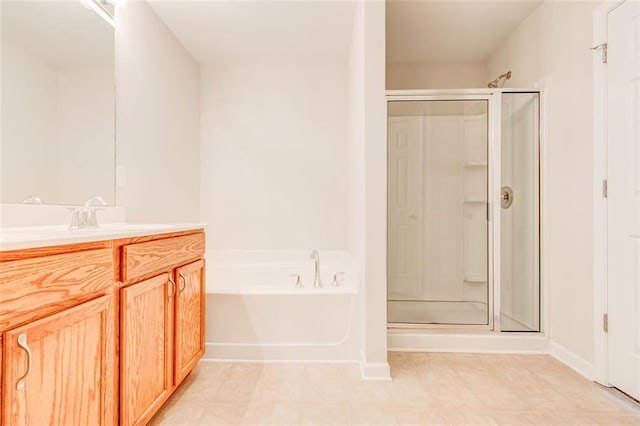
(298, 280)
(32, 199)
(337, 279)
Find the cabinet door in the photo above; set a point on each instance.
(60, 370)
(189, 328)
(146, 323)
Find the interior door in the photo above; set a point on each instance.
(405, 201)
(623, 140)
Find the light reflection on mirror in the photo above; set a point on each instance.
(58, 103)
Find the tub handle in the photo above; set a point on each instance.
(336, 279)
(298, 280)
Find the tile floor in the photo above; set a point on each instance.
(427, 388)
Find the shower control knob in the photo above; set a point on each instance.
(506, 198)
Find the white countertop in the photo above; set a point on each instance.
(45, 236)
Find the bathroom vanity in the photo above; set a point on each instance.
(99, 329)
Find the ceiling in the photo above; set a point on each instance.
(260, 30)
(62, 33)
(428, 31)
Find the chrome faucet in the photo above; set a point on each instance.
(86, 217)
(89, 211)
(317, 283)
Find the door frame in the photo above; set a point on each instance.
(494, 98)
(600, 212)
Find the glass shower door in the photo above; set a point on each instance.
(520, 218)
(437, 212)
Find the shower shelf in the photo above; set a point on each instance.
(474, 279)
(474, 165)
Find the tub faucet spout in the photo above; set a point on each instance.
(316, 268)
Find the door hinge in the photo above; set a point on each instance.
(605, 323)
(605, 188)
(488, 213)
(603, 51)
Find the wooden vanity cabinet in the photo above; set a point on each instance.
(58, 368)
(146, 350)
(99, 333)
(58, 337)
(161, 321)
(189, 319)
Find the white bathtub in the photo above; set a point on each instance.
(255, 312)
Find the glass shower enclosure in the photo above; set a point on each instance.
(463, 211)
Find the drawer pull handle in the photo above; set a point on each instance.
(22, 342)
(184, 282)
(173, 287)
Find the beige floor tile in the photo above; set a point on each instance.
(327, 415)
(224, 414)
(178, 414)
(279, 390)
(362, 416)
(231, 392)
(419, 417)
(521, 418)
(325, 393)
(428, 388)
(370, 393)
(412, 394)
(273, 414)
(285, 371)
(471, 417)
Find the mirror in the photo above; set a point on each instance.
(58, 103)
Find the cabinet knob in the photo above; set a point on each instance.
(22, 342)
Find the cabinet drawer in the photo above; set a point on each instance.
(144, 259)
(32, 288)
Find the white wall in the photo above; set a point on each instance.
(374, 362)
(28, 125)
(553, 43)
(85, 153)
(157, 120)
(356, 70)
(435, 76)
(275, 160)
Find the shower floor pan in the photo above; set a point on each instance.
(446, 312)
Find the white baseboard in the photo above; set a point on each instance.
(472, 343)
(571, 360)
(379, 371)
(279, 353)
(427, 342)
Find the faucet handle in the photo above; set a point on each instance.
(298, 280)
(336, 279)
(92, 220)
(74, 223)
